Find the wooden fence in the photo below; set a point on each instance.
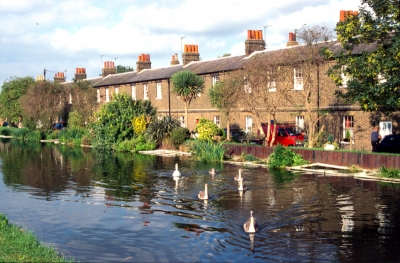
(363, 160)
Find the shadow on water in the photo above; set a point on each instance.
(127, 207)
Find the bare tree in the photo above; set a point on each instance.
(42, 104)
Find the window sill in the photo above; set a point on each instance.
(343, 142)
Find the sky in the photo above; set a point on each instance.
(63, 35)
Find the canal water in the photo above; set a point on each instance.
(128, 208)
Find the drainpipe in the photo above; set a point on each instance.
(169, 99)
(318, 94)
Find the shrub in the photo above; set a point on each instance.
(330, 138)
(139, 124)
(179, 135)
(135, 144)
(389, 172)
(283, 157)
(207, 151)
(5, 131)
(72, 136)
(75, 120)
(206, 129)
(20, 134)
(33, 136)
(159, 130)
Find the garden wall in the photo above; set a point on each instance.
(363, 160)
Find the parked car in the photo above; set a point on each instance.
(389, 144)
(285, 136)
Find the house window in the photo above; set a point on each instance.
(299, 124)
(182, 120)
(133, 92)
(249, 123)
(116, 90)
(247, 87)
(215, 79)
(158, 91)
(348, 125)
(271, 81)
(385, 128)
(145, 92)
(344, 76)
(70, 99)
(298, 78)
(217, 120)
(98, 95)
(107, 95)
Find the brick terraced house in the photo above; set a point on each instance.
(155, 85)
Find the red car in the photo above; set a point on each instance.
(285, 136)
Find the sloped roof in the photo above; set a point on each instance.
(215, 65)
(114, 79)
(155, 74)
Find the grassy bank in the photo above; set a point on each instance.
(20, 245)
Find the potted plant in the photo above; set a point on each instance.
(329, 146)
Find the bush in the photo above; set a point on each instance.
(207, 151)
(5, 131)
(206, 129)
(136, 144)
(389, 172)
(179, 135)
(72, 136)
(139, 124)
(20, 134)
(33, 136)
(159, 130)
(284, 157)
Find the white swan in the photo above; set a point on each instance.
(212, 171)
(239, 176)
(203, 195)
(176, 172)
(242, 187)
(251, 225)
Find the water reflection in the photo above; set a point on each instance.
(127, 207)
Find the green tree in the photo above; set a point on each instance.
(83, 99)
(370, 57)
(114, 120)
(122, 69)
(10, 96)
(223, 96)
(206, 129)
(188, 86)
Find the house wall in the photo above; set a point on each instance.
(285, 112)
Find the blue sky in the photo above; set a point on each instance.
(66, 34)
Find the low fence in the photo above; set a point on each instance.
(363, 160)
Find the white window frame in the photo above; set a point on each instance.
(182, 120)
(348, 124)
(98, 95)
(133, 92)
(385, 128)
(249, 124)
(215, 79)
(271, 81)
(116, 90)
(298, 78)
(107, 95)
(344, 77)
(217, 121)
(70, 98)
(247, 87)
(299, 123)
(145, 92)
(158, 91)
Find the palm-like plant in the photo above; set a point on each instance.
(159, 130)
(188, 86)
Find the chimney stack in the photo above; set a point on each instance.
(80, 74)
(174, 60)
(292, 40)
(109, 68)
(254, 41)
(143, 62)
(59, 77)
(40, 77)
(190, 53)
(346, 13)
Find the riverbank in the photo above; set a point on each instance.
(20, 245)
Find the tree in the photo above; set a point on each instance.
(114, 120)
(122, 69)
(370, 56)
(223, 96)
(83, 101)
(188, 86)
(42, 104)
(10, 97)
